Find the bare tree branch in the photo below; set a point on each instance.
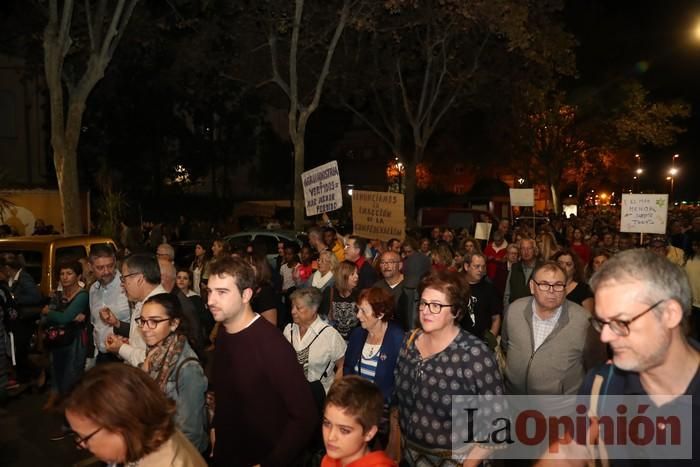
(342, 21)
(112, 31)
(88, 20)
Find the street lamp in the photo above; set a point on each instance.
(638, 172)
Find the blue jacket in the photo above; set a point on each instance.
(388, 355)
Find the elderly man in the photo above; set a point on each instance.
(642, 301)
(517, 284)
(393, 281)
(166, 251)
(141, 280)
(546, 338)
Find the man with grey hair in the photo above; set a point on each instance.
(166, 251)
(546, 338)
(642, 301)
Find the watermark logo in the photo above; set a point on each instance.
(574, 427)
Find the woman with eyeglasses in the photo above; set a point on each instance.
(174, 366)
(436, 362)
(122, 417)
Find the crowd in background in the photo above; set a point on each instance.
(422, 318)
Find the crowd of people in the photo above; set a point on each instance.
(344, 350)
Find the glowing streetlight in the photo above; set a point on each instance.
(696, 31)
(673, 172)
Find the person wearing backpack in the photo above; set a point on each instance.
(174, 365)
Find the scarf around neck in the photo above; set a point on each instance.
(162, 357)
(319, 281)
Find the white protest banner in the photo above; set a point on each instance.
(644, 213)
(322, 190)
(378, 215)
(482, 231)
(522, 197)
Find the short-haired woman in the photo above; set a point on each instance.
(175, 367)
(320, 349)
(374, 347)
(339, 302)
(437, 362)
(121, 416)
(324, 276)
(65, 330)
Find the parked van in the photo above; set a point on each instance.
(41, 254)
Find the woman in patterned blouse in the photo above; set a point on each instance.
(436, 363)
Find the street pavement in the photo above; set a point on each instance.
(24, 436)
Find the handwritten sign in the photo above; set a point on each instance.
(378, 215)
(482, 231)
(322, 190)
(644, 213)
(522, 197)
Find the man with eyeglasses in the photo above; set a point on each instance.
(546, 338)
(642, 304)
(140, 279)
(106, 297)
(393, 281)
(483, 316)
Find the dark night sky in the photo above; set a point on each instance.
(651, 41)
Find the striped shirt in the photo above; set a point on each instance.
(367, 366)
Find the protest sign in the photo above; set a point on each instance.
(644, 213)
(378, 215)
(322, 190)
(482, 231)
(522, 197)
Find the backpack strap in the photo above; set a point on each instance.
(177, 372)
(412, 337)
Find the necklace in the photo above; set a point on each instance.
(370, 350)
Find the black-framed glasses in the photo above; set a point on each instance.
(618, 326)
(433, 307)
(547, 287)
(149, 323)
(81, 441)
(122, 279)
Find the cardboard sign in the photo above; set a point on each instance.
(522, 197)
(322, 190)
(482, 231)
(644, 213)
(378, 215)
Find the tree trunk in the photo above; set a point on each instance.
(67, 176)
(411, 188)
(298, 188)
